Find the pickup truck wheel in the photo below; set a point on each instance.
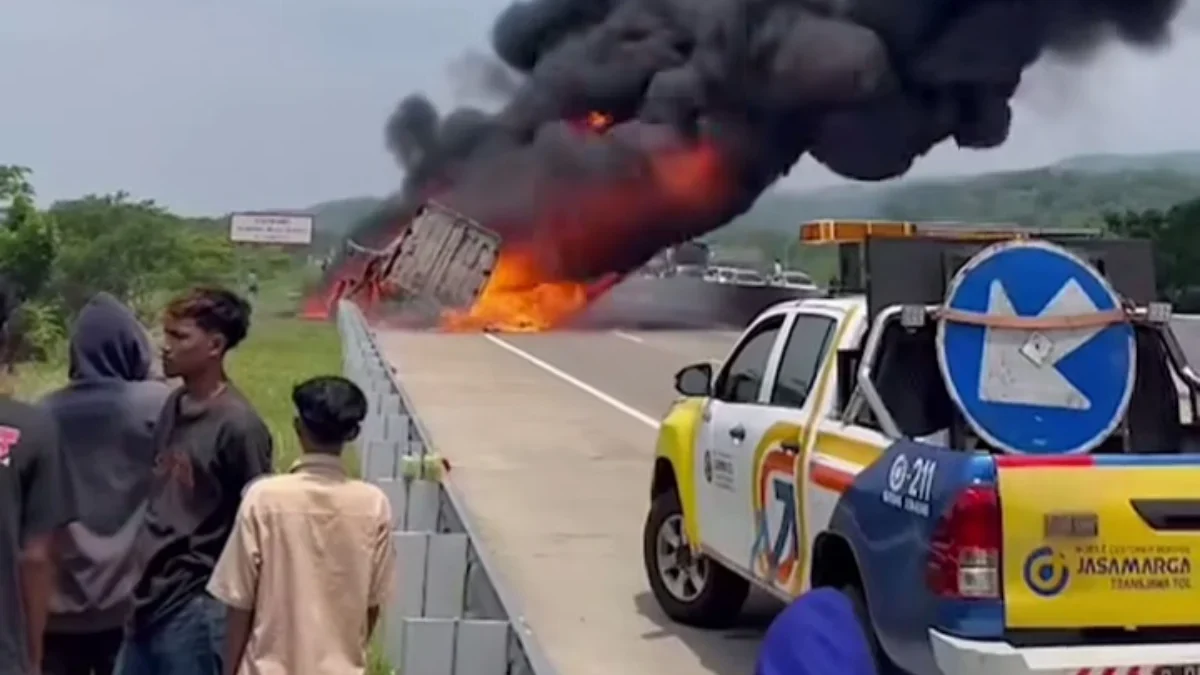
(691, 588)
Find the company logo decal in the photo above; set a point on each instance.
(1046, 572)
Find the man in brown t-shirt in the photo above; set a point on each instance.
(209, 444)
(315, 539)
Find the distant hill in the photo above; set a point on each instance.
(1050, 197)
(1073, 192)
(784, 209)
(1182, 162)
(1070, 193)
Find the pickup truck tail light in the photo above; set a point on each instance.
(964, 557)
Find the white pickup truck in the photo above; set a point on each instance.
(840, 445)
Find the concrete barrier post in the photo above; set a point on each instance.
(448, 617)
(379, 459)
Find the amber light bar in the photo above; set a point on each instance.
(857, 231)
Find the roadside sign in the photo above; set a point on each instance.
(271, 228)
(1035, 390)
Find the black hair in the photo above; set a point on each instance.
(215, 310)
(331, 408)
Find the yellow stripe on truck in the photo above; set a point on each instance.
(854, 451)
(677, 443)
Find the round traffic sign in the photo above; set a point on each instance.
(1047, 391)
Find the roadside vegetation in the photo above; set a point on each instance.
(141, 253)
(136, 250)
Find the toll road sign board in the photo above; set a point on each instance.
(271, 228)
(1047, 391)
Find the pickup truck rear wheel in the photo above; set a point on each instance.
(691, 588)
(858, 598)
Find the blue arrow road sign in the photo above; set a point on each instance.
(1046, 392)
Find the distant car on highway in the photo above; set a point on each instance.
(718, 273)
(794, 279)
(995, 488)
(744, 277)
(735, 275)
(690, 271)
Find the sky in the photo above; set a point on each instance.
(209, 107)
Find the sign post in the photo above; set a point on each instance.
(292, 229)
(273, 229)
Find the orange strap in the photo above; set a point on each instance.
(1089, 320)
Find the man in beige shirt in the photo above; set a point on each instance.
(309, 562)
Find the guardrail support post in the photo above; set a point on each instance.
(445, 576)
(447, 617)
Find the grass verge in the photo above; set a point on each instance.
(278, 354)
(31, 381)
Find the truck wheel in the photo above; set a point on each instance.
(691, 589)
(858, 598)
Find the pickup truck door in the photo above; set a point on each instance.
(726, 443)
(796, 398)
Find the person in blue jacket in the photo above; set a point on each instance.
(818, 634)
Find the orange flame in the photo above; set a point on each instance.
(359, 280)
(599, 121)
(589, 222)
(519, 298)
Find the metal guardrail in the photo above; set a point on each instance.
(450, 616)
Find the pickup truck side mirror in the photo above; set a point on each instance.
(695, 380)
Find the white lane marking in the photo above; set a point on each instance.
(627, 336)
(576, 382)
(654, 343)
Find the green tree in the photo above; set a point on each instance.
(14, 182)
(1175, 234)
(210, 259)
(135, 250)
(28, 244)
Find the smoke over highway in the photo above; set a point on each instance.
(705, 103)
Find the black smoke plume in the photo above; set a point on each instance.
(479, 76)
(864, 86)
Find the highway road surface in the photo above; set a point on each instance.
(551, 439)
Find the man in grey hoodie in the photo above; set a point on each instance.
(105, 418)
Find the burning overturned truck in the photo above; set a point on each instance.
(446, 270)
